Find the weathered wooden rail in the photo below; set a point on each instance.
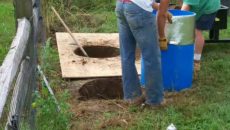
(18, 70)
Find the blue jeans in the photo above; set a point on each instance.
(137, 27)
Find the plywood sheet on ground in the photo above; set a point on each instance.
(75, 66)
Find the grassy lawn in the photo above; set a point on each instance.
(205, 106)
(7, 27)
(225, 34)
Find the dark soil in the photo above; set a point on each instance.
(103, 52)
(106, 88)
(99, 51)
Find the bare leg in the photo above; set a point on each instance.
(199, 42)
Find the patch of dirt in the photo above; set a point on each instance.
(93, 113)
(183, 99)
(87, 113)
(87, 105)
(107, 88)
(122, 121)
(97, 107)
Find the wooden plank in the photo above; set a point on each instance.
(13, 59)
(72, 65)
(20, 91)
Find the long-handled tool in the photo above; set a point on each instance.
(68, 30)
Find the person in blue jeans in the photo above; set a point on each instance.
(137, 27)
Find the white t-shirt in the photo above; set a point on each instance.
(144, 4)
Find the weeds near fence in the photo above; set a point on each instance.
(81, 15)
(48, 118)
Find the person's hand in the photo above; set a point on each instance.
(163, 43)
(169, 17)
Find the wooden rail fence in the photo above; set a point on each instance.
(18, 70)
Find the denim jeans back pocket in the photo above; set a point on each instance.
(134, 20)
(138, 17)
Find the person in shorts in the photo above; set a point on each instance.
(205, 15)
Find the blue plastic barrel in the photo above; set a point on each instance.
(177, 63)
(177, 67)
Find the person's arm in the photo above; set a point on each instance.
(155, 6)
(161, 18)
(185, 7)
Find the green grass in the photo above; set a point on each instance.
(211, 91)
(48, 118)
(7, 27)
(225, 34)
(204, 107)
(90, 22)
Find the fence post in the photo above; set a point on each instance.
(23, 8)
(31, 10)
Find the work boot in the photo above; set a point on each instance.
(148, 106)
(143, 91)
(137, 101)
(197, 66)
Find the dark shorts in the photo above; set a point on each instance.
(206, 21)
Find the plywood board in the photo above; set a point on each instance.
(75, 66)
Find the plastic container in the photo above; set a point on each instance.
(182, 30)
(177, 61)
(177, 67)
